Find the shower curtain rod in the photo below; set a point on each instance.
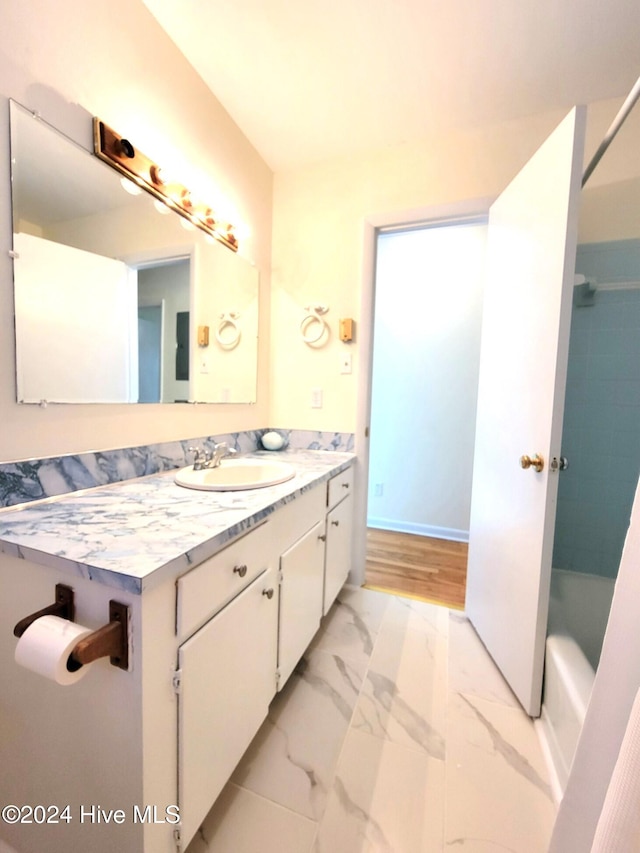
(618, 121)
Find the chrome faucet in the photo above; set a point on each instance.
(211, 459)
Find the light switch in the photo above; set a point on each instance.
(316, 398)
(346, 362)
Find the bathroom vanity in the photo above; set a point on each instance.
(225, 591)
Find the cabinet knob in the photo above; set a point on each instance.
(335, 523)
(240, 570)
(322, 537)
(345, 485)
(268, 592)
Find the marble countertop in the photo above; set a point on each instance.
(135, 534)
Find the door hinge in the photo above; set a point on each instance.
(177, 836)
(278, 677)
(176, 681)
(280, 577)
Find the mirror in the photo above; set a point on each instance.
(115, 301)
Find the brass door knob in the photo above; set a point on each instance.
(537, 462)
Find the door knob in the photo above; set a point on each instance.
(537, 462)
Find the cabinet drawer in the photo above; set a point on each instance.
(214, 583)
(292, 521)
(339, 487)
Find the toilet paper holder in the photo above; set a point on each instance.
(111, 640)
(63, 606)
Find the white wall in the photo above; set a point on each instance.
(319, 216)
(70, 60)
(227, 285)
(428, 316)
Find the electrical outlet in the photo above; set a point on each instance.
(316, 398)
(378, 490)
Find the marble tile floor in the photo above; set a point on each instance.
(396, 734)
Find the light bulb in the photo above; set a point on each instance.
(130, 186)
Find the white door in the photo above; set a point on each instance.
(527, 311)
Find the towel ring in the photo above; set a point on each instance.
(228, 322)
(311, 319)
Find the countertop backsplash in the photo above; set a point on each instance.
(33, 479)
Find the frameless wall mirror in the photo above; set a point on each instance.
(115, 302)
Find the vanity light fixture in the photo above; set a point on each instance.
(119, 153)
(129, 186)
(162, 208)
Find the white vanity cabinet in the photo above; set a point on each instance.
(226, 680)
(339, 533)
(302, 571)
(208, 648)
(300, 529)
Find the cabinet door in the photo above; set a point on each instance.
(338, 559)
(302, 568)
(228, 679)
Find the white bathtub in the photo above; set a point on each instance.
(578, 613)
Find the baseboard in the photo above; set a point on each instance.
(450, 533)
(541, 728)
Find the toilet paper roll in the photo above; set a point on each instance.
(46, 645)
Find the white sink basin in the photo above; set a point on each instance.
(236, 474)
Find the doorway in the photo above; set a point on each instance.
(164, 304)
(427, 317)
(150, 321)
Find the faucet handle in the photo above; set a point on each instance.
(199, 458)
(220, 451)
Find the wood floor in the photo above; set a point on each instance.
(419, 566)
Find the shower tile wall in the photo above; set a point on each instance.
(601, 435)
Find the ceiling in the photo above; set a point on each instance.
(308, 80)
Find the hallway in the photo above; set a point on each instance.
(420, 566)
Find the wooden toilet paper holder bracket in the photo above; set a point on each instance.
(111, 640)
(63, 606)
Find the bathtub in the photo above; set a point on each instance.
(578, 613)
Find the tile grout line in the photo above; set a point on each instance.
(349, 727)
